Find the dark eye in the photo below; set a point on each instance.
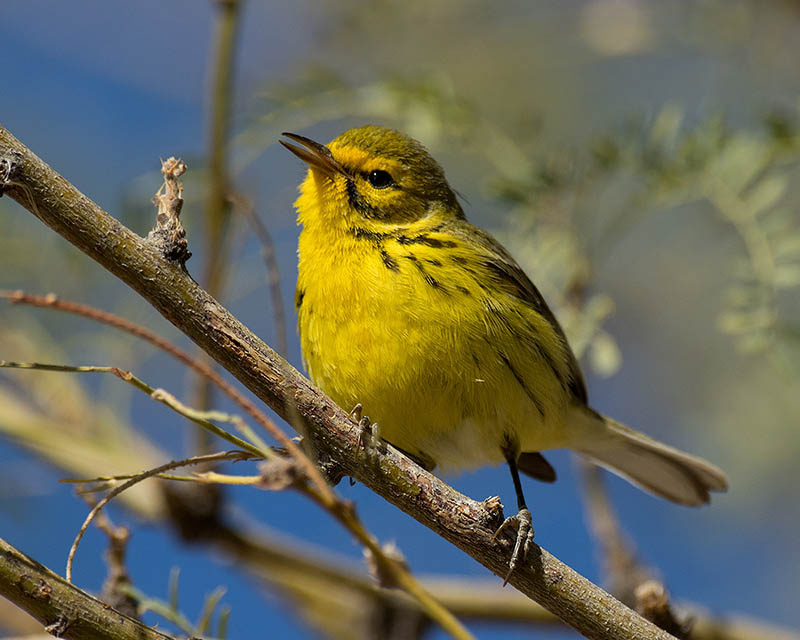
(380, 179)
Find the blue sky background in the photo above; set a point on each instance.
(102, 90)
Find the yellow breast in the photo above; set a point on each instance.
(404, 329)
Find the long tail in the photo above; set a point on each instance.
(652, 465)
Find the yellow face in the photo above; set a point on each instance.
(372, 176)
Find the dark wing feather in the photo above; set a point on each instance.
(510, 276)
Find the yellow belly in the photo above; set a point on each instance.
(440, 379)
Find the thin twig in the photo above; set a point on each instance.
(51, 301)
(166, 610)
(225, 478)
(198, 417)
(245, 205)
(217, 213)
(109, 480)
(213, 457)
(217, 205)
(212, 600)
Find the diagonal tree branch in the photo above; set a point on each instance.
(464, 522)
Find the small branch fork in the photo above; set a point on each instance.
(464, 522)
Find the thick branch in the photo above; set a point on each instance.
(464, 522)
(66, 611)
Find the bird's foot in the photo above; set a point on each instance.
(523, 523)
(368, 432)
(355, 413)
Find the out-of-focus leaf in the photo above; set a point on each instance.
(739, 162)
(766, 193)
(605, 357)
(787, 276)
(735, 322)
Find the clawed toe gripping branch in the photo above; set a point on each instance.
(523, 523)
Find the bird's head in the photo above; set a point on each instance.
(371, 176)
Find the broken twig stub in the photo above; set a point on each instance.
(169, 234)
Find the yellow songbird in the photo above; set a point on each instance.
(428, 322)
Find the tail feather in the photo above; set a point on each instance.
(652, 465)
(536, 466)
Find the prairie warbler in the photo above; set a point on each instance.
(426, 320)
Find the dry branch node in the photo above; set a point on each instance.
(377, 569)
(6, 169)
(280, 473)
(493, 510)
(652, 601)
(331, 470)
(59, 627)
(169, 234)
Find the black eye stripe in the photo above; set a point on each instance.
(362, 205)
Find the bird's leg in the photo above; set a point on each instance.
(523, 522)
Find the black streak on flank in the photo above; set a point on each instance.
(298, 298)
(429, 279)
(577, 387)
(522, 384)
(464, 290)
(375, 237)
(389, 262)
(491, 307)
(544, 355)
(514, 281)
(427, 241)
(433, 282)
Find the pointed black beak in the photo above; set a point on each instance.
(318, 156)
